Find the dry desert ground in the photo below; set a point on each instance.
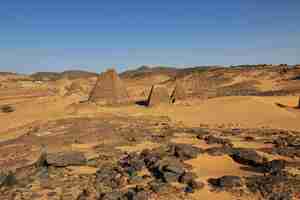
(151, 133)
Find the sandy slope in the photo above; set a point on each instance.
(228, 111)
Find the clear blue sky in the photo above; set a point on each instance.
(56, 35)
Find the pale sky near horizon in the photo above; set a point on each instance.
(92, 35)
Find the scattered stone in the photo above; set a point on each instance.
(158, 186)
(287, 151)
(109, 176)
(288, 141)
(272, 187)
(132, 163)
(137, 193)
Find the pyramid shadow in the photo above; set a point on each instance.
(142, 103)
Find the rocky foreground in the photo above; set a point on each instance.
(111, 158)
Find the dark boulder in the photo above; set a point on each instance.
(214, 140)
(184, 151)
(274, 166)
(226, 182)
(219, 151)
(7, 179)
(187, 177)
(168, 170)
(193, 185)
(150, 158)
(248, 157)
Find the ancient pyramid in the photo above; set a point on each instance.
(109, 89)
(157, 96)
(178, 93)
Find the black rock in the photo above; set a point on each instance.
(247, 157)
(168, 170)
(184, 151)
(219, 151)
(274, 166)
(7, 179)
(187, 177)
(226, 182)
(214, 140)
(193, 185)
(150, 158)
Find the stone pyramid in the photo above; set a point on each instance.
(157, 96)
(109, 89)
(178, 93)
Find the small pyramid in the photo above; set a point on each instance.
(157, 96)
(178, 93)
(109, 89)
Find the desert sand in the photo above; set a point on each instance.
(225, 113)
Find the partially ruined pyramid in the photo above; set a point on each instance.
(109, 89)
(157, 96)
(178, 93)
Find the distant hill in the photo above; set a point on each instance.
(74, 74)
(71, 74)
(148, 71)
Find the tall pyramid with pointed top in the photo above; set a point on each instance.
(157, 96)
(109, 89)
(178, 93)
